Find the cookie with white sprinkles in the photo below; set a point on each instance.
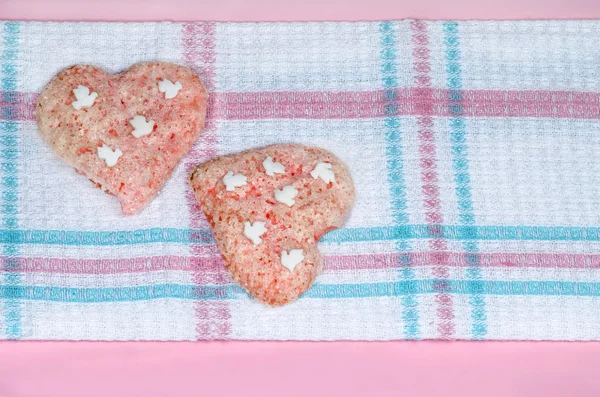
(268, 218)
(125, 132)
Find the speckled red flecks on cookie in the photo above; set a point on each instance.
(147, 161)
(320, 205)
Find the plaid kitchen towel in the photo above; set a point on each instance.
(473, 146)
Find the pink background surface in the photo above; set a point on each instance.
(66, 369)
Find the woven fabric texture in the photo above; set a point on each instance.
(473, 146)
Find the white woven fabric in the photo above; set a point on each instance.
(473, 147)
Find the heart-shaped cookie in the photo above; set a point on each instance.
(268, 208)
(125, 132)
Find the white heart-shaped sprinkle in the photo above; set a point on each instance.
(254, 231)
(292, 259)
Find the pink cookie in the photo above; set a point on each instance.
(125, 132)
(268, 208)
